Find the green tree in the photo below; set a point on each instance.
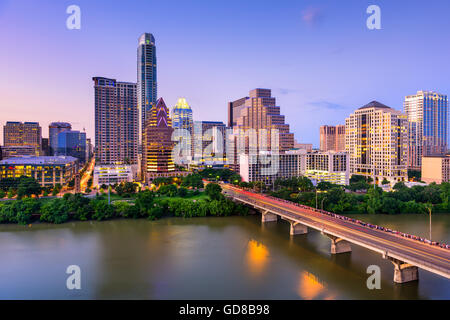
(54, 211)
(214, 191)
(27, 187)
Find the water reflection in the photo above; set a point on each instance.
(257, 257)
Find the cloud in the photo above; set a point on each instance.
(327, 105)
(312, 16)
(285, 91)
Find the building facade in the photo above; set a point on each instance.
(53, 130)
(436, 169)
(328, 166)
(113, 174)
(183, 122)
(376, 141)
(157, 143)
(72, 143)
(427, 113)
(332, 138)
(260, 113)
(116, 121)
(209, 143)
(48, 171)
(147, 89)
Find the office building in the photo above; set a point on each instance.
(267, 166)
(53, 130)
(260, 113)
(330, 166)
(116, 121)
(157, 142)
(146, 78)
(183, 124)
(48, 171)
(436, 169)
(234, 111)
(209, 142)
(427, 113)
(113, 174)
(376, 142)
(20, 151)
(332, 138)
(72, 143)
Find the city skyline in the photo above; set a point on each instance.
(298, 77)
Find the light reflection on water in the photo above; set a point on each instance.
(200, 258)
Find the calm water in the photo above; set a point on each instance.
(201, 258)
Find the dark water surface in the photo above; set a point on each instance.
(202, 258)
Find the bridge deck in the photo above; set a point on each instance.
(422, 255)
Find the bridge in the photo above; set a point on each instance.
(407, 255)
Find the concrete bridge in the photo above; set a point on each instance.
(407, 255)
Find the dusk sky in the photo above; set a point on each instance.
(317, 56)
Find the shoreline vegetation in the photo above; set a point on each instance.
(187, 197)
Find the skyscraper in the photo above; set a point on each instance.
(22, 134)
(116, 121)
(234, 111)
(157, 142)
(209, 142)
(376, 140)
(332, 138)
(146, 77)
(260, 112)
(53, 130)
(21, 139)
(182, 119)
(72, 143)
(427, 113)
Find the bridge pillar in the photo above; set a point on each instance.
(404, 272)
(339, 245)
(298, 228)
(266, 216)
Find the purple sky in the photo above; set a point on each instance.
(318, 57)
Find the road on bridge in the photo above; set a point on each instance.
(422, 255)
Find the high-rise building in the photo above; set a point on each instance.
(45, 147)
(259, 112)
(146, 77)
(72, 143)
(22, 134)
(182, 119)
(234, 110)
(376, 140)
(427, 113)
(116, 121)
(209, 142)
(157, 142)
(53, 130)
(332, 138)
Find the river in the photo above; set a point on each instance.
(202, 258)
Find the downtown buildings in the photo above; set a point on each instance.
(332, 138)
(53, 130)
(157, 143)
(73, 144)
(21, 139)
(183, 124)
(147, 89)
(376, 141)
(116, 121)
(427, 113)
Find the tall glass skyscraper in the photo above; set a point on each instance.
(427, 113)
(182, 119)
(72, 143)
(53, 130)
(146, 77)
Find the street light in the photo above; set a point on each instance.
(322, 202)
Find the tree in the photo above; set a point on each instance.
(144, 202)
(2, 194)
(214, 191)
(27, 187)
(385, 181)
(182, 192)
(54, 211)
